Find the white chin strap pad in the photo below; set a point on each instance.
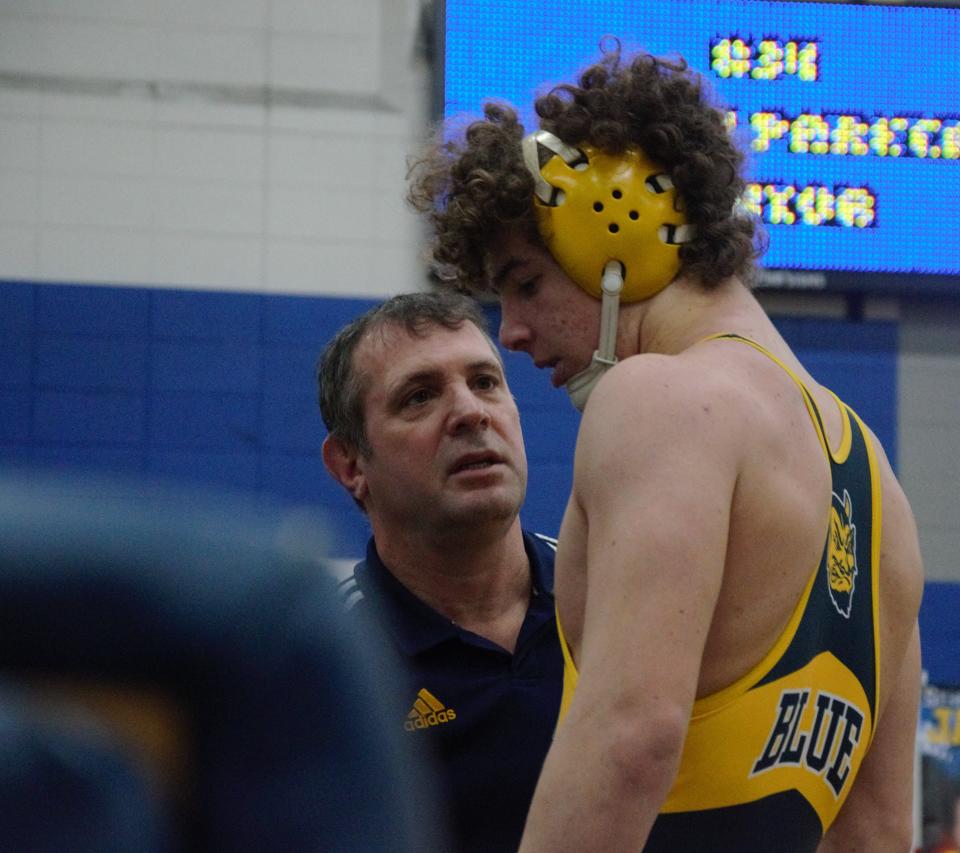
(581, 386)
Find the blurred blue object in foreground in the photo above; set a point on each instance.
(210, 623)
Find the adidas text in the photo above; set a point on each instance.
(432, 719)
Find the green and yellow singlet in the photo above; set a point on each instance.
(768, 761)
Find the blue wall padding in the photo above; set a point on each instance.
(210, 388)
(120, 312)
(15, 416)
(93, 418)
(16, 359)
(940, 633)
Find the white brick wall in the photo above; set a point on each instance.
(234, 155)
(19, 252)
(234, 263)
(19, 199)
(929, 431)
(21, 143)
(117, 201)
(235, 144)
(331, 19)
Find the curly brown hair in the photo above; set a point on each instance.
(472, 188)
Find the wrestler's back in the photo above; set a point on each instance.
(778, 516)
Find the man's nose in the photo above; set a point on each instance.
(469, 411)
(514, 334)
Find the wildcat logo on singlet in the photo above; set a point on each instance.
(842, 553)
(823, 749)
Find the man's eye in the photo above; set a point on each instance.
(529, 287)
(417, 398)
(486, 383)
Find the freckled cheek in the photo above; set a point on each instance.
(561, 329)
(582, 330)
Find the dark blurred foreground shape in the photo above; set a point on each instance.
(172, 679)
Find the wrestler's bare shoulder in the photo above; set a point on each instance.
(700, 382)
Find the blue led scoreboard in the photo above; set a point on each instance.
(850, 115)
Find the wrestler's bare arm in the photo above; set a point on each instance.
(877, 816)
(654, 475)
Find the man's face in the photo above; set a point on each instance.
(545, 314)
(444, 431)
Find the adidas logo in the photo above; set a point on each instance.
(427, 711)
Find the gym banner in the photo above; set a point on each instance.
(939, 746)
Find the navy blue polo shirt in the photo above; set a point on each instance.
(484, 716)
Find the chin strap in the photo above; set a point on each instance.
(579, 387)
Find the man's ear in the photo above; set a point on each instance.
(342, 461)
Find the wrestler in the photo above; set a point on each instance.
(738, 575)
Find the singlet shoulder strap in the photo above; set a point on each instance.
(570, 674)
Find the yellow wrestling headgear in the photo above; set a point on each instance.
(593, 208)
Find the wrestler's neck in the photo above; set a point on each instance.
(685, 313)
(483, 585)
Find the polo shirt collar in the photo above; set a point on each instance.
(541, 573)
(415, 625)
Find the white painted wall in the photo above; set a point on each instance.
(929, 429)
(224, 144)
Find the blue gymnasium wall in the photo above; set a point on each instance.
(218, 388)
(206, 387)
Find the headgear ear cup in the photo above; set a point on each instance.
(612, 224)
(593, 207)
